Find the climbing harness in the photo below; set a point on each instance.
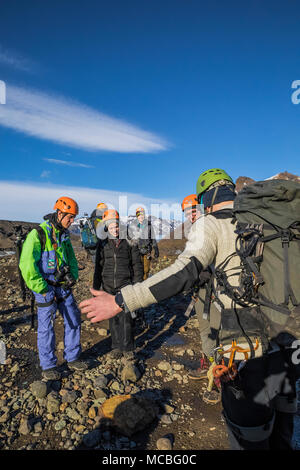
(229, 372)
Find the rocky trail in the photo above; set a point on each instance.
(163, 410)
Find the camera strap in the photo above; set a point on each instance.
(55, 245)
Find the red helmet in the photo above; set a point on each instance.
(67, 205)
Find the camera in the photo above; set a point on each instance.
(64, 277)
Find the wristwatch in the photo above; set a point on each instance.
(120, 301)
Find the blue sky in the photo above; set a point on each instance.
(137, 98)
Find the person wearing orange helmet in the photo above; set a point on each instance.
(141, 232)
(97, 215)
(190, 207)
(117, 264)
(50, 269)
(192, 211)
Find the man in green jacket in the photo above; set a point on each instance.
(49, 268)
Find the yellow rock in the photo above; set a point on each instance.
(109, 406)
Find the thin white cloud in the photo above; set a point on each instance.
(70, 123)
(45, 174)
(39, 199)
(64, 162)
(14, 60)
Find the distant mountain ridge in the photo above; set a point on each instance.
(162, 227)
(245, 180)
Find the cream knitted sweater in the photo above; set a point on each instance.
(211, 240)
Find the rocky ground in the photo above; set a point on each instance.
(70, 413)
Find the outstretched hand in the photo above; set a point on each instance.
(100, 307)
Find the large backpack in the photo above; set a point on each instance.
(268, 244)
(20, 239)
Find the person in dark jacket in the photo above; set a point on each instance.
(118, 264)
(142, 232)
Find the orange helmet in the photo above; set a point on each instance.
(67, 205)
(101, 206)
(110, 215)
(189, 201)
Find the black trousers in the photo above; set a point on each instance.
(260, 404)
(122, 332)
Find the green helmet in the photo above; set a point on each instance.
(209, 177)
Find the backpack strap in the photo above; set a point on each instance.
(42, 236)
(222, 214)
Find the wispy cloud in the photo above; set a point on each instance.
(15, 60)
(38, 200)
(67, 163)
(70, 123)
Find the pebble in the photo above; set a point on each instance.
(164, 444)
(60, 425)
(102, 331)
(101, 392)
(53, 403)
(169, 409)
(69, 396)
(130, 372)
(115, 386)
(164, 365)
(100, 381)
(165, 419)
(72, 414)
(24, 427)
(39, 389)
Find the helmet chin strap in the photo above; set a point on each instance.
(58, 223)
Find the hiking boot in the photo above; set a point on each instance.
(51, 374)
(115, 354)
(77, 365)
(211, 397)
(201, 372)
(128, 356)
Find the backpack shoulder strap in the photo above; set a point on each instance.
(223, 214)
(42, 236)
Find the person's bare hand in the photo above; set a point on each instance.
(100, 307)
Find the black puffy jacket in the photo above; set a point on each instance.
(118, 263)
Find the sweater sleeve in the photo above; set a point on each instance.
(30, 257)
(200, 251)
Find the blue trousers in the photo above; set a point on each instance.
(63, 300)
